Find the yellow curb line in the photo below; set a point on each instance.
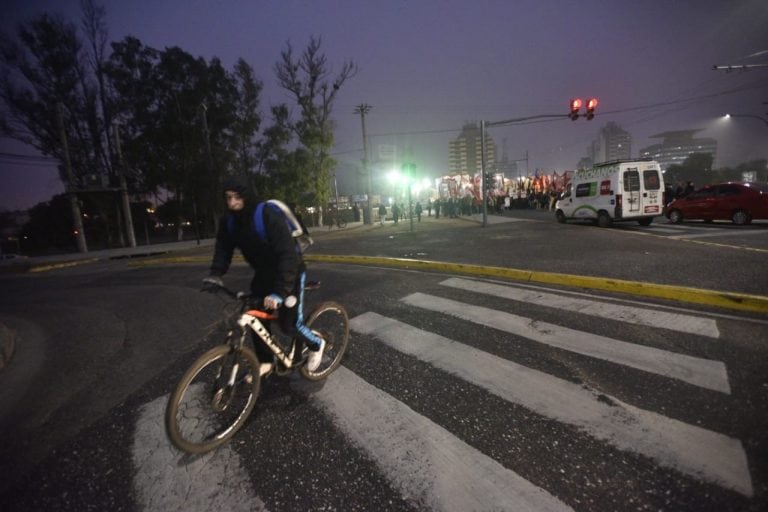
(45, 268)
(729, 300)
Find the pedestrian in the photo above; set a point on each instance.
(395, 213)
(429, 207)
(382, 213)
(278, 268)
(689, 188)
(418, 210)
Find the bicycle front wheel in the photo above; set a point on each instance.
(342, 223)
(329, 320)
(213, 399)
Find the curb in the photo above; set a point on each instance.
(727, 300)
(7, 345)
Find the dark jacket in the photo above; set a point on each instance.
(276, 262)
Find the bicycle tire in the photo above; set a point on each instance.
(342, 224)
(331, 321)
(200, 415)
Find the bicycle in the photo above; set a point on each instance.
(218, 392)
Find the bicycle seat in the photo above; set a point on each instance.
(261, 314)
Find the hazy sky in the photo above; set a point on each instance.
(429, 66)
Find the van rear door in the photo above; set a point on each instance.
(652, 192)
(631, 202)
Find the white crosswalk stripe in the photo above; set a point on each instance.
(688, 448)
(634, 315)
(433, 467)
(424, 461)
(167, 479)
(700, 372)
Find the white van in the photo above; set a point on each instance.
(612, 192)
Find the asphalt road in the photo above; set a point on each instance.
(104, 342)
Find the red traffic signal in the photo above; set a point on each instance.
(575, 107)
(591, 104)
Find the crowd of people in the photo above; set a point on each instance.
(681, 189)
(452, 207)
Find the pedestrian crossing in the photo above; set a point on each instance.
(696, 231)
(432, 465)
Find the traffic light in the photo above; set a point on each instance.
(575, 107)
(591, 104)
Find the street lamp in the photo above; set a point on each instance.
(408, 170)
(728, 116)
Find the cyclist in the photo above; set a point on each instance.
(278, 268)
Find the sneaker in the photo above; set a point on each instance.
(315, 357)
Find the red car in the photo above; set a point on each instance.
(737, 202)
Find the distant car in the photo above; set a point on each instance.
(737, 202)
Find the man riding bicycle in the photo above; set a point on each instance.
(279, 270)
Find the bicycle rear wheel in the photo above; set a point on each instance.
(329, 320)
(213, 399)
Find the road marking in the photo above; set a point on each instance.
(167, 479)
(655, 229)
(724, 232)
(650, 317)
(423, 460)
(704, 373)
(673, 443)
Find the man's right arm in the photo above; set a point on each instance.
(224, 249)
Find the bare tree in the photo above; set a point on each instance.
(308, 78)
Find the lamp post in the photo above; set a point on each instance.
(408, 170)
(336, 189)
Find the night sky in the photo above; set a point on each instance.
(427, 67)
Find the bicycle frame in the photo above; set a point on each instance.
(251, 319)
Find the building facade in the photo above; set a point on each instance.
(465, 152)
(676, 146)
(612, 143)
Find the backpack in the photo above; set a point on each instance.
(300, 236)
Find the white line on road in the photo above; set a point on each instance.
(723, 232)
(424, 461)
(704, 373)
(166, 479)
(655, 229)
(687, 448)
(650, 317)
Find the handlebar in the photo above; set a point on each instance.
(289, 301)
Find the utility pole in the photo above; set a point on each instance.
(124, 189)
(77, 219)
(363, 109)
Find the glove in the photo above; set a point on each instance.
(273, 301)
(212, 283)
